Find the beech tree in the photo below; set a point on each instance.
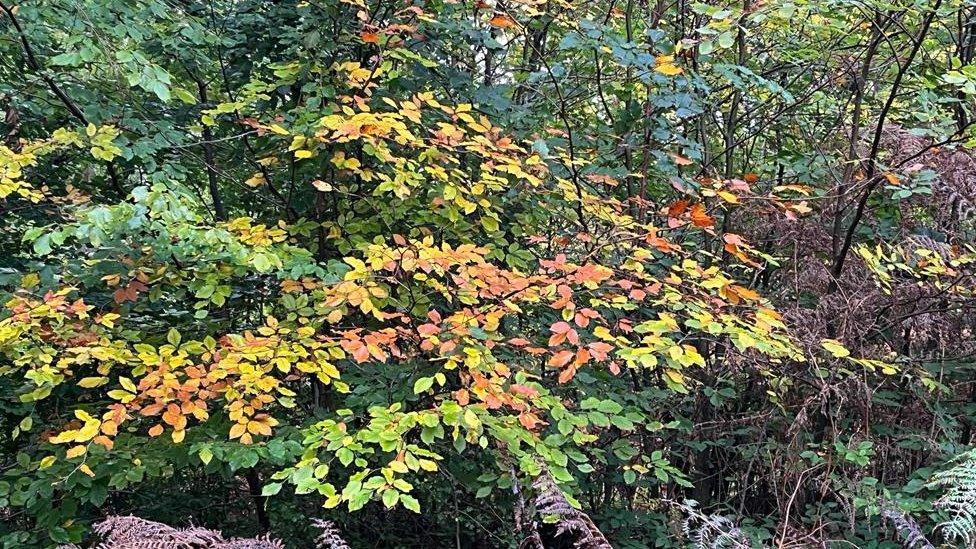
(498, 274)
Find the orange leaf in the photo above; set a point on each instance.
(700, 217)
(104, 441)
(110, 428)
(259, 428)
(560, 328)
(733, 239)
(567, 374)
(582, 357)
(370, 37)
(746, 293)
(156, 430)
(523, 390)
(503, 21)
(561, 359)
(678, 208)
(600, 350)
(529, 420)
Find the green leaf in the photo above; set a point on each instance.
(422, 384)
(271, 489)
(42, 246)
(184, 96)
(262, 263)
(410, 502)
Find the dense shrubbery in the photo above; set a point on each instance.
(489, 274)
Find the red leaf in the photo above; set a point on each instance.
(600, 350)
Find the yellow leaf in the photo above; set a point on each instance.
(88, 432)
(90, 382)
(675, 376)
(835, 348)
(61, 438)
(108, 320)
(84, 468)
(728, 197)
(332, 501)
(122, 396)
(127, 384)
(256, 180)
(303, 153)
(47, 462)
(258, 428)
(399, 466)
(83, 416)
(471, 419)
(665, 65)
(178, 435)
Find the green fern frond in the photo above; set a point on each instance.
(959, 499)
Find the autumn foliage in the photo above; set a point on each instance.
(631, 274)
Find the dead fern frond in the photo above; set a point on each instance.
(571, 526)
(330, 537)
(906, 526)
(709, 531)
(130, 532)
